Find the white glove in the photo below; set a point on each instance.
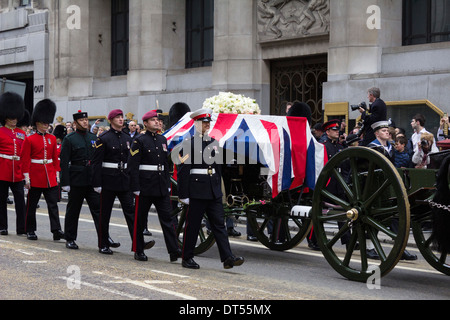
(98, 190)
(137, 193)
(66, 189)
(27, 180)
(185, 201)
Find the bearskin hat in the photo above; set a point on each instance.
(177, 111)
(44, 112)
(25, 121)
(300, 109)
(12, 106)
(60, 132)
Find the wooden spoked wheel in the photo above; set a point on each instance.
(423, 236)
(372, 201)
(275, 228)
(205, 239)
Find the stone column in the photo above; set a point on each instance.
(234, 45)
(356, 41)
(147, 72)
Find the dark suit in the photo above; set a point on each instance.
(109, 165)
(199, 180)
(149, 171)
(378, 112)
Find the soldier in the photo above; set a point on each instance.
(199, 182)
(76, 177)
(11, 140)
(150, 181)
(40, 166)
(111, 178)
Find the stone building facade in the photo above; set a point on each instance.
(138, 55)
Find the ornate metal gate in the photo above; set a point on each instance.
(298, 81)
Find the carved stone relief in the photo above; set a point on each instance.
(279, 19)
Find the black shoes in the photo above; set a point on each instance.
(71, 245)
(147, 233)
(113, 244)
(58, 235)
(140, 256)
(175, 255)
(3, 232)
(372, 254)
(408, 256)
(313, 245)
(32, 236)
(233, 261)
(149, 245)
(233, 233)
(105, 250)
(190, 264)
(252, 238)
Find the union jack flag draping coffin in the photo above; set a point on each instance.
(283, 145)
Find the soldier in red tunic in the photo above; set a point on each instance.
(11, 139)
(40, 165)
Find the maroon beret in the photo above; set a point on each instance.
(149, 115)
(114, 114)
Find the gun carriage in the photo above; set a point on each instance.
(379, 204)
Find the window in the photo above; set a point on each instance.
(119, 37)
(24, 3)
(199, 33)
(426, 21)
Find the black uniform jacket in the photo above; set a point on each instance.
(77, 152)
(112, 147)
(149, 149)
(333, 148)
(203, 153)
(378, 112)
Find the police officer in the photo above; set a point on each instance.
(40, 165)
(76, 177)
(11, 140)
(199, 186)
(111, 178)
(149, 170)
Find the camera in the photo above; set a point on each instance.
(424, 143)
(361, 105)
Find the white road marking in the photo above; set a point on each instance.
(119, 293)
(144, 284)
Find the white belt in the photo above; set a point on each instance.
(203, 171)
(15, 158)
(113, 165)
(151, 168)
(41, 161)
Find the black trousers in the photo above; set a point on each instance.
(163, 208)
(107, 198)
(76, 198)
(216, 215)
(19, 203)
(51, 198)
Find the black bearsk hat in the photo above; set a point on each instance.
(177, 111)
(44, 112)
(12, 106)
(300, 109)
(60, 131)
(25, 121)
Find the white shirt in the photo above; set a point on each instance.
(416, 139)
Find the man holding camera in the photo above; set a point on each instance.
(378, 112)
